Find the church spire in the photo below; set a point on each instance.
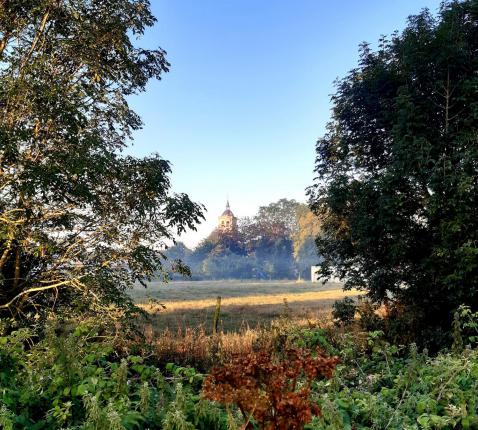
(227, 221)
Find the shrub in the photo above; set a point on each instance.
(369, 319)
(77, 381)
(424, 393)
(469, 324)
(343, 311)
(273, 393)
(382, 386)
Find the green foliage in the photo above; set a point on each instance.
(343, 311)
(396, 187)
(468, 324)
(379, 385)
(311, 339)
(76, 380)
(415, 392)
(6, 418)
(80, 221)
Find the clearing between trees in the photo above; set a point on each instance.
(243, 304)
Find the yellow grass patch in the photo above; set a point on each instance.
(254, 300)
(244, 304)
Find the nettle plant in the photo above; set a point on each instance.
(77, 381)
(468, 325)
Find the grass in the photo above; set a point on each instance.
(180, 315)
(183, 305)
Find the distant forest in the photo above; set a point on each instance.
(277, 243)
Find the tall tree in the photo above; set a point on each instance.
(305, 250)
(268, 236)
(79, 221)
(397, 171)
(278, 218)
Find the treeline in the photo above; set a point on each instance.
(277, 243)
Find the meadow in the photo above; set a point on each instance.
(244, 304)
(391, 207)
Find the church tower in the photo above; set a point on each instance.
(227, 222)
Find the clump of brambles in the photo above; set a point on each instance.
(271, 392)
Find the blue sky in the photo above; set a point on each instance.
(248, 93)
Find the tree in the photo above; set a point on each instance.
(397, 171)
(279, 218)
(177, 256)
(305, 250)
(268, 236)
(80, 222)
(227, 241)
(198, 255)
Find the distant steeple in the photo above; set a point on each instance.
(227, 221)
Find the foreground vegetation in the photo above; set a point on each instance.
(81, 378)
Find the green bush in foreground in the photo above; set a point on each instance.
(386, 387)
(77, 382)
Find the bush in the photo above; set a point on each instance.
(270, 392)
(382, 386)
(77, 381)
(369, 319)
(343, 311)
(468, 322)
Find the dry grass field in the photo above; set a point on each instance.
(180, 316)
(243, 304)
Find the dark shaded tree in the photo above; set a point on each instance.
(397, 171)
(228, 265)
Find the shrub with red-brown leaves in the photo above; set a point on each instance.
(275, 393)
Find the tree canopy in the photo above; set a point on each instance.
(397, 171)
(80, 222)
(276, 243)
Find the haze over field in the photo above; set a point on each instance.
(243, 304)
